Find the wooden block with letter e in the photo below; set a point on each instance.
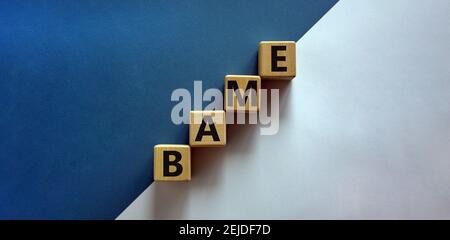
(207, 128)
(276, 59)
(242, 93)
(172, 162)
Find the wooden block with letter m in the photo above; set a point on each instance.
(242, 93)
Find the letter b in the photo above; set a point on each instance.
(167, 163)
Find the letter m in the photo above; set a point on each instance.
(240, 95)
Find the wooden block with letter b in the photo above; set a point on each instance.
(242, 93)
(172, 162)
(207, 128)
(276, 59)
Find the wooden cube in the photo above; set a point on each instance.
(207, 128)
(276, 59)
(242, 93)
(172, 162)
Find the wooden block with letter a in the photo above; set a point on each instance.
(242, 93)
(207, 128)
(172, 162)
(276, 59)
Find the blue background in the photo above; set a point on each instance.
(85, 90)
